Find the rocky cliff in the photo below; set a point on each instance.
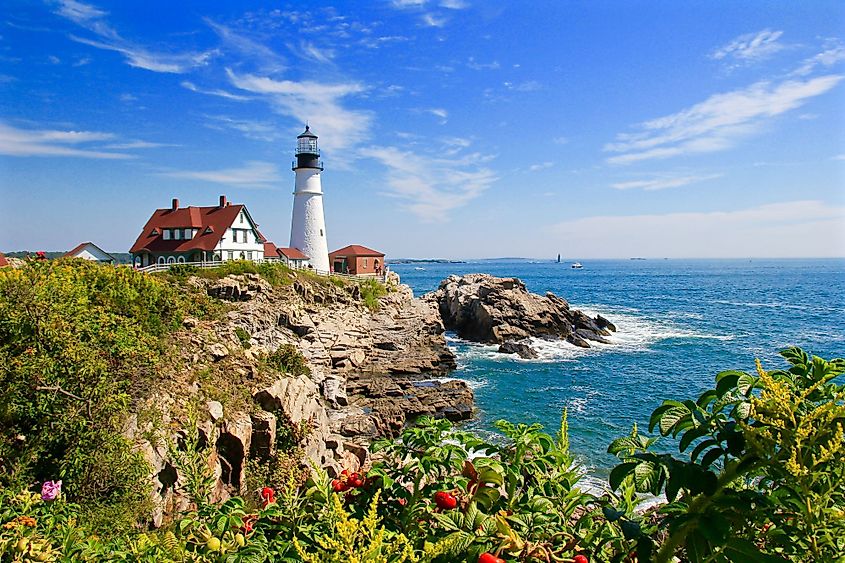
(484, 308)
(366, 374)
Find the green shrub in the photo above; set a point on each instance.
(276, 273)
(76, 338)
(287, 359)
(371, 291)
(244, 337)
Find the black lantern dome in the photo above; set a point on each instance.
(307, 152)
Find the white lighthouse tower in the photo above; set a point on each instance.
(308, 225)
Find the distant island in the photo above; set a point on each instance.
(423, 261)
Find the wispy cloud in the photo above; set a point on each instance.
(789, 229)
(441, 113)
(265, 58)
(314, 53)
(454, 4)
(475, 65)
(254, 174)
(252, 129)
(93, 19)
(314, 102)
(718, 122)
(662, 182)
(137, 145)
(528, 86)
(839, 157)
(750, 47)
(833, 53)
(213, 92)
(51, 142)
(432, 20)
(540, 166)
(430, 187)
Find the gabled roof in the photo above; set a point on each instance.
(81, 246)
(211, 223)
(355, 250)
(3, 261)
(292, 253)
(273, 251)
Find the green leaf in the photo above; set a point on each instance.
(657, 413)
(739, 550)
(711, 456)
(701, 447)
(618, 473)
(690, 436)
(671, 417)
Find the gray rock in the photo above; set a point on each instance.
(215, 410)
(218, 351)
(522, 350)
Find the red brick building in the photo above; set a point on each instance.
(357, 260)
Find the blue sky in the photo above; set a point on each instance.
(449, 128)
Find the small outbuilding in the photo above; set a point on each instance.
(288, 256)
(3, 261)
(357, 260)
(90, 251)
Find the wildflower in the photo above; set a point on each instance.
(20, 521)
(51, 490)
(268, 496)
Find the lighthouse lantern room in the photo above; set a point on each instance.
(308, 223)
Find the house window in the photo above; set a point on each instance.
(249, 255)
(188, 234)
(171, 260)
(165, 234)
(365, 262)
(242, 217)
(177, 234)
(242, 256)
(231, 255)
(181, 259)
(161, 259)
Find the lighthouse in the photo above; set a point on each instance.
(308, 225)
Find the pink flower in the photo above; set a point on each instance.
(50, 490)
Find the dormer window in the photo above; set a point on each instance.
(177, 234)
(165, 234)
(188, 234)
(154, 232)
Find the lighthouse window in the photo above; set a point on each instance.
(321, 232)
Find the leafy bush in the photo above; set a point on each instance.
(276, 273)
(287, 359)
(243, 337)
(371, 291)
(75, 339)
(764, 478)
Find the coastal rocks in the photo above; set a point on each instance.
(522, 350)
(243, 287)
(484, 308)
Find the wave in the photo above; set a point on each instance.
(635, 333)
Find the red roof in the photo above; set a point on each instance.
(292, 253)
(270, 250)
(3, 261)
(355, 250)
(212, 223)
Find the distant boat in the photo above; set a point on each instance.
(558, 258)
(418, 268)
(577, 265)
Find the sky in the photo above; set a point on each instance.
(449, 128)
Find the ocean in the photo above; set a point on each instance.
(680, 322)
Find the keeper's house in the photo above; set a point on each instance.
(90, 251)
(357, 260)
(199, 234)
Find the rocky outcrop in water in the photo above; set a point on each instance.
(483, 308)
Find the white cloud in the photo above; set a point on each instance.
(475, 65)
(258, 130)
(266, 59)
(839, 157)
(213, 92)
(254, 174)
(788, 229)
(718, 122)
(313, 102)
(50, 142)
(314, 53)
(93, 20)
(432, 187)
(408, 3)
(751, 46)
(137, 145)
(433, 21)
(528, 86)
(441, 113)
(454, 4)
(834, 53)
(540, 166)
(662, 182)
(54, 59)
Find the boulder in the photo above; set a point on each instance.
(483, 308)
(522, 350)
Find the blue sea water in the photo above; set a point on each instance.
(679, 323)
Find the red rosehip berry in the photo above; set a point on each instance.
(338, 486)
(580, 559)
(490, 558)
(445, 501)
(356, 481)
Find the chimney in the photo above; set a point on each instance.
(223, 201)
(175, 204)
